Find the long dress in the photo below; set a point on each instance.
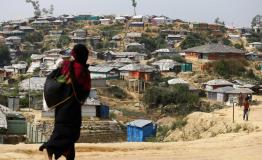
(67, 126)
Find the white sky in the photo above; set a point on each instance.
(233, 12)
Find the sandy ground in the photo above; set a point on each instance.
(231, 146)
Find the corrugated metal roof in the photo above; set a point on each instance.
(222, 90)
(120, 18)
(124, 53)
(123, 60)
(231, 90)
(134, 35)
(79, 30)
(13, 38)
(41, 22)
(116, 64)
(241, 90)
(218, 82)
(139, 123)
(214, 48)
(166, 64)
(137, 17)
(137, 67)
(117, 37)
(134, 44)
(100, 69)
(37, 57)
(25, 27)
(177, 81)
(92, 102)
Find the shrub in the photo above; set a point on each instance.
(151, 139)
(162, 132)
(63, 41)
(151, 44)
(4, 55)
(112, 115)
(250, 74)
(24, 102)
(237, 128)
(193, 40)
(34, 37)
(179, 123)
(117, 92)
(228, 68)
(176, 99)
(132, 113)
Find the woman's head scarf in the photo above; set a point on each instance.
(80, 54)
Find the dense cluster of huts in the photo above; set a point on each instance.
(126, 64)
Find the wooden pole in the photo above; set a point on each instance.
(233, 112)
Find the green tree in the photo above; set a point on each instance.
(4, 55)
(134, 4)
(257, 20)
(254, 37)
(63, 41)
(177, 95)
(229, 67)
(218, 21)
(151, 44)
(193, 40)
(34, 37)
(239, 46)
(226, 41)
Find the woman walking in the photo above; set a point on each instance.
(68, 115)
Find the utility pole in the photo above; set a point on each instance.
(232, 100)
(233, 112)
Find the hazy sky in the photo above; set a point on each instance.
(233, 12)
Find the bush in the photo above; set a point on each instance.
(4, 55)
(237, 128)
(250, 74)
(34, 37)
(63, 41)
(226, 42)
(162, 132)
(24, 102)
(229, 68)
(151, 44)
(110, 31)
(180, 109)
(117, 92)
(132, 113)
(193, 40)
(176, 99)
(151, 139)
(239, 46)
(179, 123)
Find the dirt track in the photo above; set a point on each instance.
(232, 146)
(229, 146)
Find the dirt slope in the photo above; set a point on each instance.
(229, 146)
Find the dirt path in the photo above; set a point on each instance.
(229, 146)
